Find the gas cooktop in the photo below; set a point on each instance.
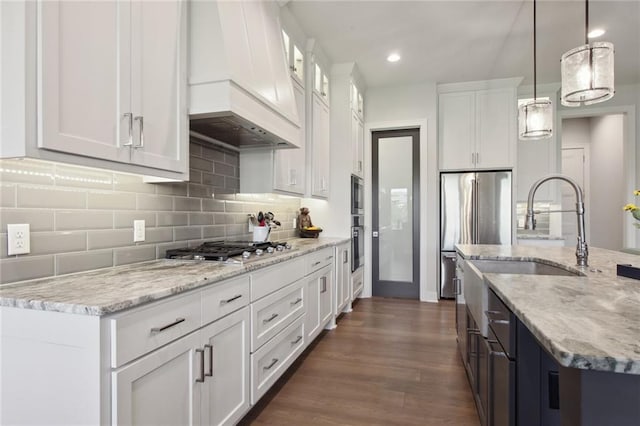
(226, 250)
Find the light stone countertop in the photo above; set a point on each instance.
(590, 322)
(525, 236)
(109, 290)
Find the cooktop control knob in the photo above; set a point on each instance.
(259, 252)
(287, 246)
(280, 247)
(246, 254)
(269, 249)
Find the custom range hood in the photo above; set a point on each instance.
(240, 91)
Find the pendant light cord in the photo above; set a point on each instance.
(586, 22)
(534, 53)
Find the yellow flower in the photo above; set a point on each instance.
(630, 207)
(636, 192)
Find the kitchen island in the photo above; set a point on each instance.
(589, 324)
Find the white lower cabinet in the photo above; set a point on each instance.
(159, 388)
(202, 378)
(225, 393)
(343, 277)
(271, 360)
(319, 290)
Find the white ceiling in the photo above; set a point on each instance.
(452, 41)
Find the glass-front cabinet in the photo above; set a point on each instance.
(295, 58)
(321, 82)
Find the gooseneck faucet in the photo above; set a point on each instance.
(582, 251)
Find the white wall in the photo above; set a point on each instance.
(403, 107)
(603, 138)
(606, 177)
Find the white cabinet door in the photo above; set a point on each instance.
(357, 141)
(496, 128)
(290, 163)
(320, 147)
(83, 63)
(326, 295)
(225, 396)
(456, 130)
(160, 388)
(159, 83)
(312, 316)
(343, 277)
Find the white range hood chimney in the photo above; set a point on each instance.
(240, 90)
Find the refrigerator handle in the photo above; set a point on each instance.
(476, 232)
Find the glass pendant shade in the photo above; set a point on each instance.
(535, 119)
(587, 74)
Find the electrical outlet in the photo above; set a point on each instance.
(250, 225)
(19, 239)
(295, 223)
(138, 231)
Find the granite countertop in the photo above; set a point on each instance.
(525, 236)
(106, 291)
(590, 322)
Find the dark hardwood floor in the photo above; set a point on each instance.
(389, 362)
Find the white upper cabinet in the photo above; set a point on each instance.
(111, 84)
(357, 129)
(237, 68)
(290, 163)
(320, 82)
(320, 152)
(477, 129)
(295, 58)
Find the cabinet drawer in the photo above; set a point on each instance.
(145, 329)
(319, 259)
(503, 324)
(267, 280)
(357, 282)
(268, 363)
(272, 313)
(226, 297)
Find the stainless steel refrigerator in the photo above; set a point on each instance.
(475, 208)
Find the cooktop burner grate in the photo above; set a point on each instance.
(219, 250)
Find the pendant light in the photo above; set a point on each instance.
(587, 71)
(535, 116)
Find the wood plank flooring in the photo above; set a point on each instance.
(389, 362)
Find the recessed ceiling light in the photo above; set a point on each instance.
(596, 33)
(394, 57)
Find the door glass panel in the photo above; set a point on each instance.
(325, 86)
(317, 81)
(298, 63)
(285, 39)
(395, 195)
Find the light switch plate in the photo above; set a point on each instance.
(138, 231)
(19, 239)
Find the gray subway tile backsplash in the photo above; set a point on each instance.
(125, 256)
(26, 268)
(38, 220)
(82, 218)
(68, 263)
(7, 195)
(104, 200)
(51, 197)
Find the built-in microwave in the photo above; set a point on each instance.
(357, 242)
(357, 195)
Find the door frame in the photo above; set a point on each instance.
(404, 290)
(429, 218)
(631, 238)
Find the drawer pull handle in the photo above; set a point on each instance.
(236, 297)
(324, 284)
(156, 330)
(271, 318)
(298, 300)
(274, 361)
(316, 263)
(297, 340)
(210, 347)
(201, 378)
(489, 315)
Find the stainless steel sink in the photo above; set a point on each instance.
(521, 267)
